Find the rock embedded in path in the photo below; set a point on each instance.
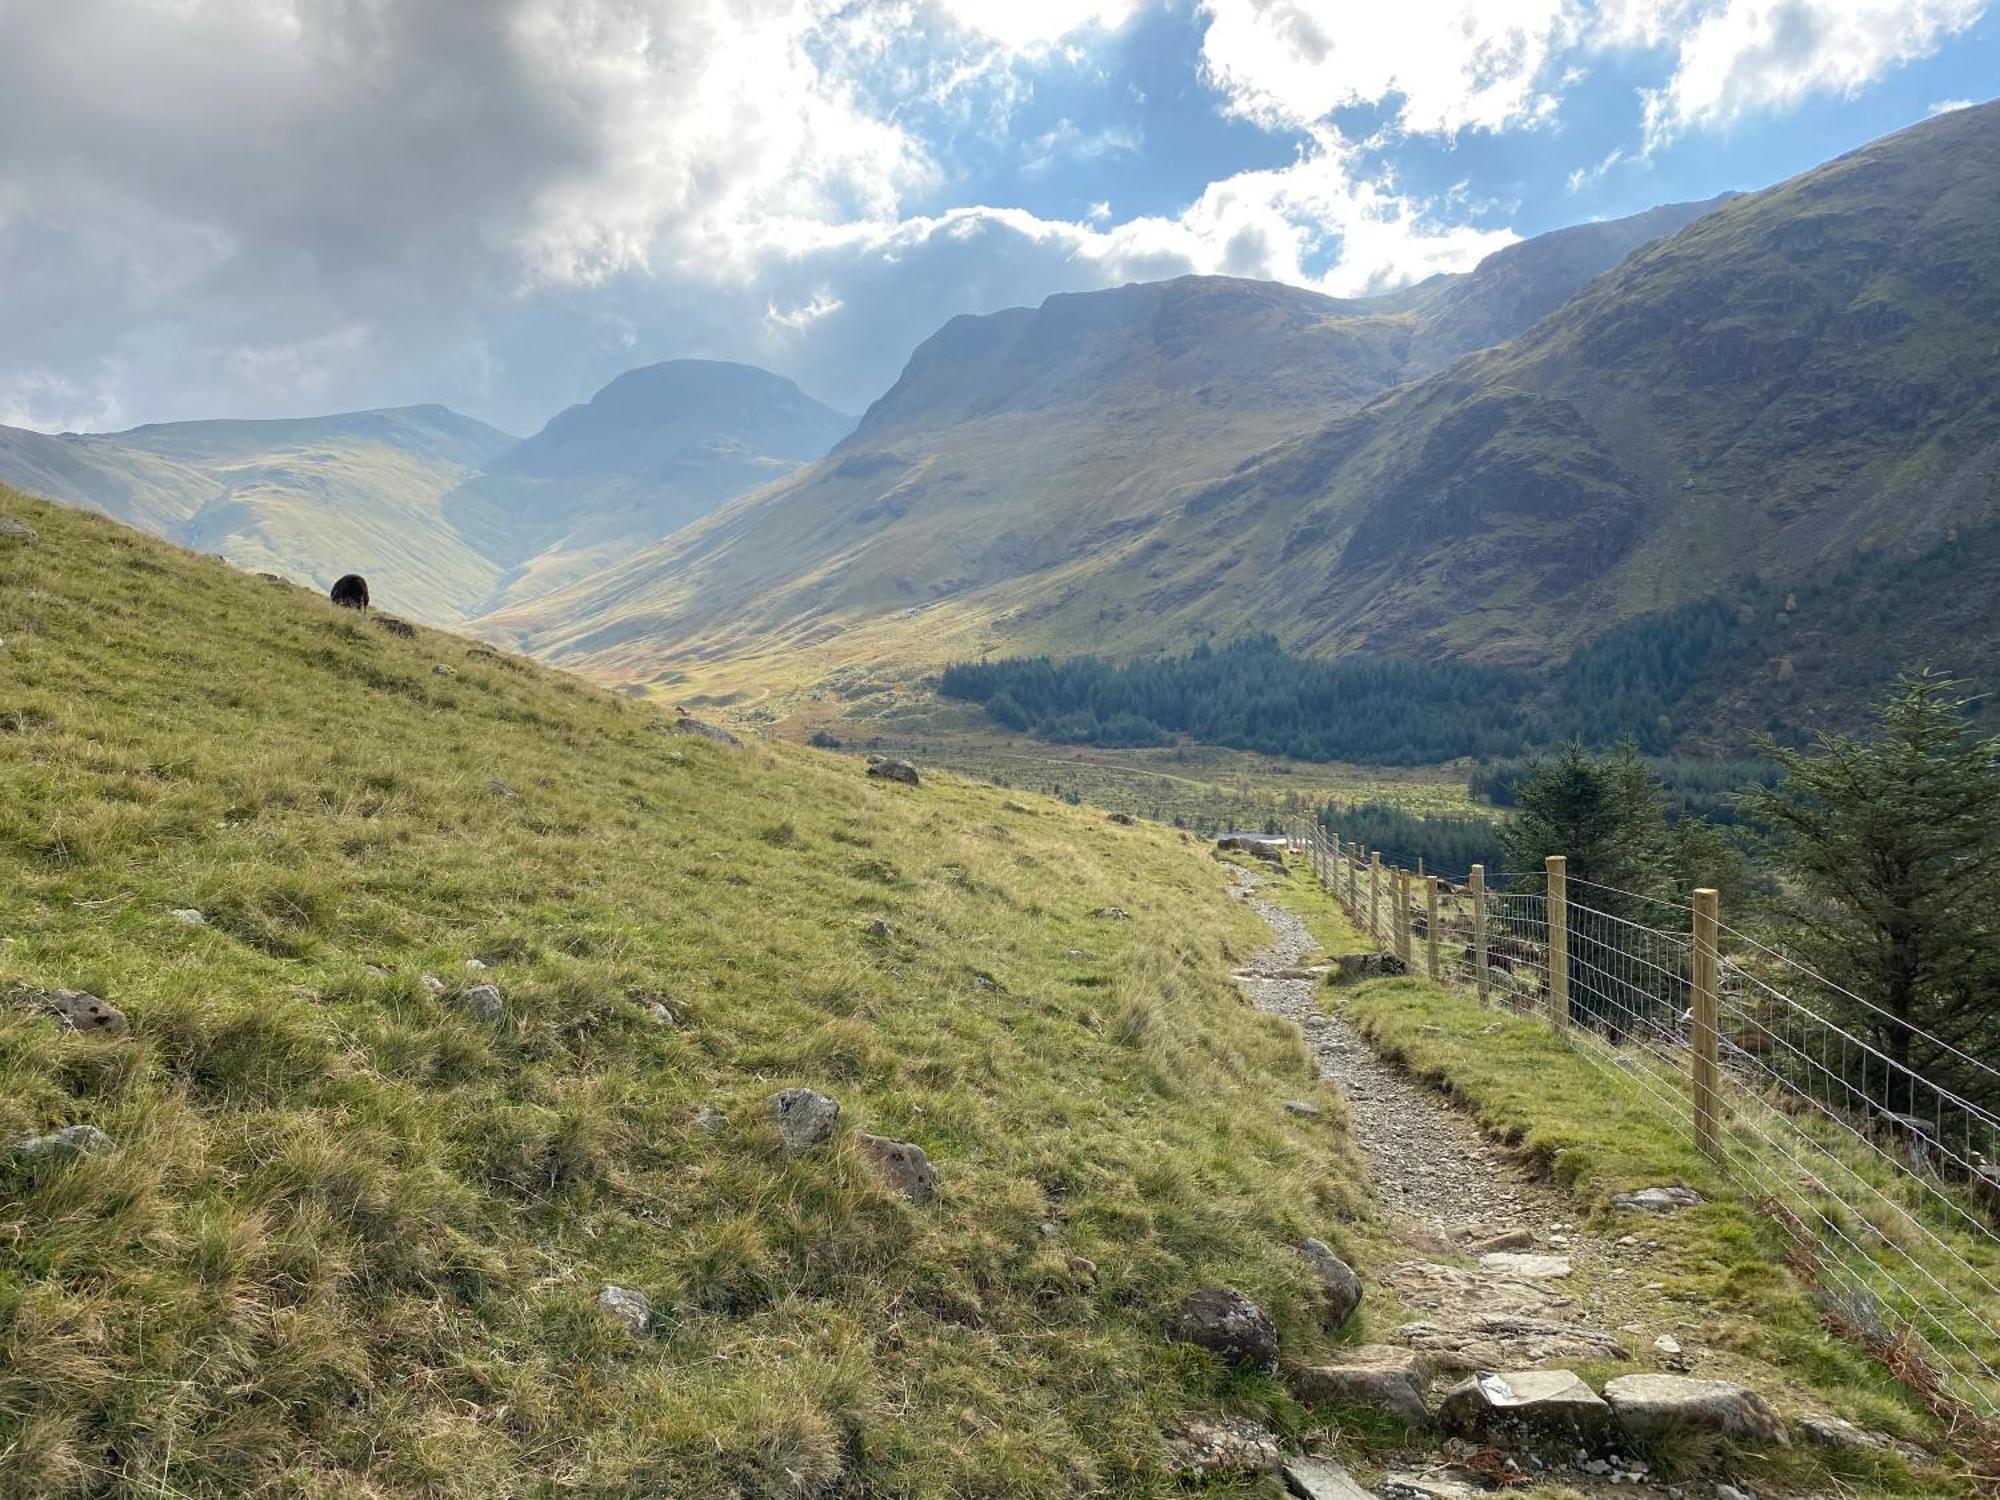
(1223, 1446)
(1658, 1200)
(1378, 1377)
(1489, 1341)
(1340, 1289)
(1524, 1408)
(1519, 1238)
(804, 1118)
(905, 1166)
(1656, 1406)
(900, 771)
(1321, 1479)
(628, 1307)
(79, 1010)
(1228, 1325)
(1530, 1267)
(70, 1141)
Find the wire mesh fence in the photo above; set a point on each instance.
(1813, 1098)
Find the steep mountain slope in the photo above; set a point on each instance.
(1805, 373)
(349, 1229)
(310, 498)
(655, 449)
(1017, 446)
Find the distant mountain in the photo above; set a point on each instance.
(1022, 451)
(655, 449)
(443, 514)
(309, 498)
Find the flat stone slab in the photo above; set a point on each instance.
(1513, 1343)
(1652, 1406)
(1658, 1200)
(1533, 1267)
(1523, 1408)
(1380, 1377)
(1224, 1446)
(1321, 1479)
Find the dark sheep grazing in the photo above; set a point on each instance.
(351, 592)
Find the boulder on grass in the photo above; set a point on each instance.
(79, 1010)
(905, 1166)
(804, 1118)
(1340, 1289)
(884, 769)
(1656, 1406)
(1228, 1325)
(1352, 968)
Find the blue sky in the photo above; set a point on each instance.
(264, 207)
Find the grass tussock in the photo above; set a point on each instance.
(351, 1236)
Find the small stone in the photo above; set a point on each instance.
(70, 1141)
(187, 916)
(907, 1168)
(1730, 1492)
(500, 789)
(1627, 1241)
(432, 985)
(804, 1118)
(710, 1119)
(659, 1014)
(1379, 1377)
(1302, 1108)
(1835, 1432)
(78, 1010)
(900, 771)
(483, 1000)
(1518, 1238)
(628, 1307)
(1224, 1446)
(16, 531)
(1528, 1406)
(441, 670)
(1340, 1288)
(475, 966)
(1667, 1345)
(1111, 913)
(1083, 1266)
(1653, 1406)
(1657, 1200)
(876, 927)
(1228, 1325)
(1049, 1229)
(1530, 1267)
(1321, 1479)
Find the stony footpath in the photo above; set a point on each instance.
(1502, 1293)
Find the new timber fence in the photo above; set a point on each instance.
(1807, 1095)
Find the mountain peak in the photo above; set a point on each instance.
(646, 416)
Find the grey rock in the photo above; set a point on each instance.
(432, 985)
(1228, 1325)
(1522, 1408)
(441, 670)
(79, 1010)
(1224, 1446)
(70, 1141)
(1380, 1377)
(906, 1167)
(1352, 968)
(16, 531)
(1657, 1200)
(804, 1118)
(721, 736)
(1321, 1479)
(1112, 913)
(628, 1307)
(1303, 1108)
(1484, 1341)
(660, 1015)
(1531, 1267)
(1835, 1432)
(483, 1001)
(1429, 1487)
(1730, 1492)
(396, 627)
(187, 916)
(884, 769)
(1519, 1238)
(1270, 851)
(1653, 1406)
(1340, 1289)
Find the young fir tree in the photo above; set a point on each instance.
(1891, 848)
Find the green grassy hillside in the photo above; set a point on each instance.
(349, 1234)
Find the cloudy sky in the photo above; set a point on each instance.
(269, 207)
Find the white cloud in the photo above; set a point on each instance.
(1030, 24)
(1947, 106)
(1453, 64)
(1739, 57)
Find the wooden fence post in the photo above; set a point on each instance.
(1558, 924)
(1431, 933)
(1403, 918)
(1707, 1010)
(1479, 931)
(1375, 896)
